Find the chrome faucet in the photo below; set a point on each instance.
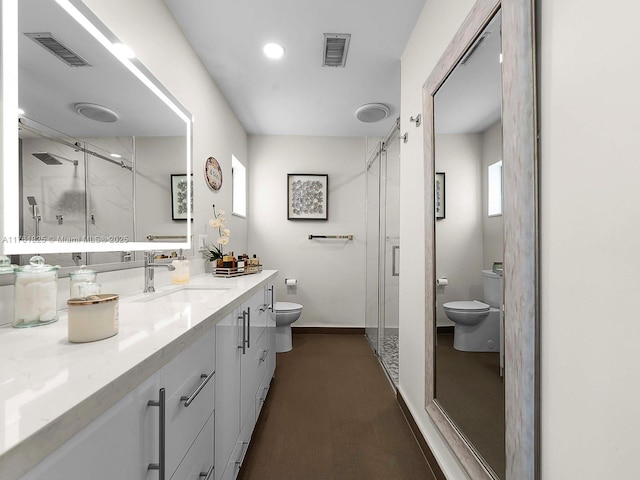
(149, 266)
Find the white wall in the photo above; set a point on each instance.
(330, 273)
(589, 210)
(437, 24)
(492, 227)
(459, 234)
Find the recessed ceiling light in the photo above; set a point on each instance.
(273, 50)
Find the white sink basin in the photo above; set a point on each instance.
(185, 294)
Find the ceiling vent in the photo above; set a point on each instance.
(372, 112)
(475, 47)
(96, 112)
(59, 49)
(336, 46)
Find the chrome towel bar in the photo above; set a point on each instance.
(346, 237)
(166, 237)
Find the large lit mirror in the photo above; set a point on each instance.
(91, 140)
(481, 289)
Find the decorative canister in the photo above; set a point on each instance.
(35, 294)
(93, 318)
(83, 279)
(5, 265)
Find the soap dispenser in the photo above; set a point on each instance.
(181, 274)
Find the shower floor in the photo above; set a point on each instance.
(388, 353)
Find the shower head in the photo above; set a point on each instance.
(52, 158)
(32, 201)
(47, 158)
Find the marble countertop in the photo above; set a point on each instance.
(50, 388)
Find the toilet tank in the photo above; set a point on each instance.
(492, 288)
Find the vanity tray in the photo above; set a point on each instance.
(235, 272)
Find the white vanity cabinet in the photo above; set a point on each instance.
(120, 443)
(126, 439)
(245, 357)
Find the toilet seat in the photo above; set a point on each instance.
(471, 306)
(287, 306)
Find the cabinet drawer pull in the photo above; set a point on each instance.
(187, 399)
(248, 326)
(207, 474)
(243, 453)
(243, 345)
(160, 466)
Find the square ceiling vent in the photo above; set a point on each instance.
(336, 46)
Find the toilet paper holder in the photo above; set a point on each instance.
(291, 282)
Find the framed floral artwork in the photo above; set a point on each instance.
(307, 196)
(179, 197)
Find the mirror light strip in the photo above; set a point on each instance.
(9, 116)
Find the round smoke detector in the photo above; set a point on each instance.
(96, 112)
(372, 112)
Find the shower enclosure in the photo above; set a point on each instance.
(383, 250)
(72, 190)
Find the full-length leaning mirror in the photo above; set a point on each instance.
(481, 311)
(86, 127)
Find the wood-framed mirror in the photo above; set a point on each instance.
(510, 451)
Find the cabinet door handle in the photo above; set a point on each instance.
(243, 345)
(248, 326)
(207, 474)
(187, 399)
(161, 403)
(271, 290)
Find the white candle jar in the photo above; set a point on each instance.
(35, 294)
(93, 318)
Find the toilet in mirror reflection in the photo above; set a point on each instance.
(477, 323)
(467, 146)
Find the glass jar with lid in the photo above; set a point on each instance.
(35, 294)
(82, 282)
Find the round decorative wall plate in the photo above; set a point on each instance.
(213, 173)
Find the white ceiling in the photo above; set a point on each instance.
(296, 95)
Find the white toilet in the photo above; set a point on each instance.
(286, 314)
(477, 324)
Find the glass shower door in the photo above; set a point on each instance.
(390, 242)
(383, 252)
(372, 311)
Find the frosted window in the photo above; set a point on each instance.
(239, 187)
(495, 189)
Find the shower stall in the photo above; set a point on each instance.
(383, 250)
(72, 190)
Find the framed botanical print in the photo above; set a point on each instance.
(179, 196)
